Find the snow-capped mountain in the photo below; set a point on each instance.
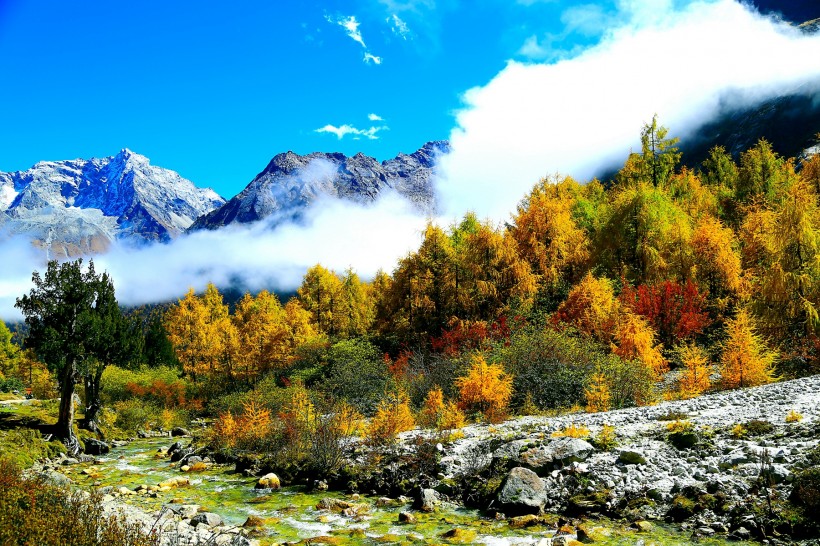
(291, 182)
(76, 207)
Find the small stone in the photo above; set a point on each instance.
(268, 481)
(406, 517)
(253, 521)
(628, 456)
(179, 431)
(208, 519)
(642, 526)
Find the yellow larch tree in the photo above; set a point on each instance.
(486, 389)
(548, 234)
(695, 378)
(634, 338)
(597, 394)
(746, 361)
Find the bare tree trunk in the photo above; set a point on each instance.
(64, 428)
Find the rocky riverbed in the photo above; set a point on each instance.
(716, 468)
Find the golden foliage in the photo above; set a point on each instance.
(438, 414)
(716, 260)
(695, 377)
(793, 417)
(547, 233)
(486, 389)
(746, 361)
(591, 307)
(393, 415)
(572, 431)
(597, 394)
(634, 338)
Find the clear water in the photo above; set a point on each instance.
(290, 514)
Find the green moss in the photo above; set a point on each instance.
(26, 446)
(758, 427)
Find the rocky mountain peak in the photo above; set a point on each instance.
(80, 206)
(290, 182)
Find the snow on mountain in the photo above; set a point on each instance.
(77, 207)
(291, 182)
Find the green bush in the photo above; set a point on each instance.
(35, 512)
(11, 384)
(356, 372)
(807, 489)
(552, 369)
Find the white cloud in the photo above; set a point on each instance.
(374, 117)
(533, 49)
(351, 26)
(370, 58)
(586, 19)
(337, 233)
(398, 26)
(344, 130)
(582, 115)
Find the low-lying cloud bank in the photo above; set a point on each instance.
(339, 234)
(583, 115)
(577, 116)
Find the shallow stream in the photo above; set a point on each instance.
(290, 514)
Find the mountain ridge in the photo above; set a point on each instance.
(80, 206)
(290, 182)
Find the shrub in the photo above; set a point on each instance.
(597, 394)
(572, 431)
(393, 415)
(485, 389)
(680, 426)
(738, 431)
(807, 488)
(549, 367)
(793, 417)
(605, 439)
(758, 427)
(34, 512)
(11, 384)
(440, 415)
(356, 372)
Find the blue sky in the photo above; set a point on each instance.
(214, 89)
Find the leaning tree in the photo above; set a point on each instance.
(76, 328)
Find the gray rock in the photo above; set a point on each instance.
(179, 431)
(428, 500)
(55, 478)
(629, 456)
(568, 450)
(209, 519)
(96, 447)
(184, 510)
(522, 492)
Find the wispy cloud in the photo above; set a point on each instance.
(370, 58)
(345, 130)
(374, 117)
(351, 27)
(398, 26)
